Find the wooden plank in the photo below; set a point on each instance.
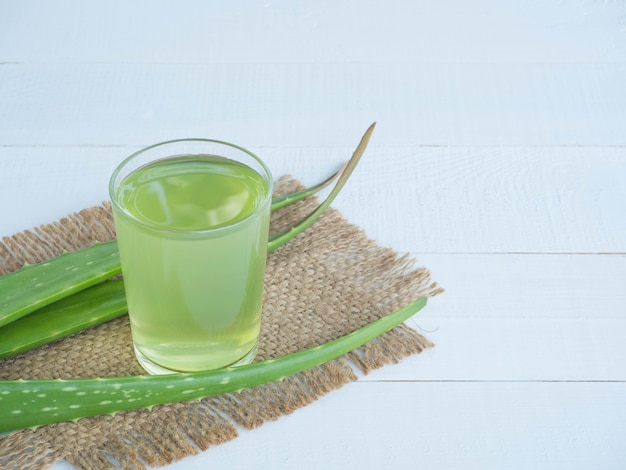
(413, 199)
(438, 426)
(526, 287)
(516, 350)
(498, 200)
(347, 31)
(283, 104)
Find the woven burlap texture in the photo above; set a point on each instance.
(327, 282)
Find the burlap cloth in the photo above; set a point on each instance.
(327, 282)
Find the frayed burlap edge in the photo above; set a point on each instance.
(156, 437)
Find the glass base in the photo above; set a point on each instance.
(155, 369)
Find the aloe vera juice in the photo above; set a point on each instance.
(192, 234)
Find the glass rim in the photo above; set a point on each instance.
(113, 184)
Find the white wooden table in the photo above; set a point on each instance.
(499, 162)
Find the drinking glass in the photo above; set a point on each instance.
(192, 223)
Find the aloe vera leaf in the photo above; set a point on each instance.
(281, 201)
(281, 238)
(90, 307)
(34, 286)
(32, 403)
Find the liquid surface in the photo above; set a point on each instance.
(194, 299)
(192, 193)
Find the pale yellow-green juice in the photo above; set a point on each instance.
(193, 260)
